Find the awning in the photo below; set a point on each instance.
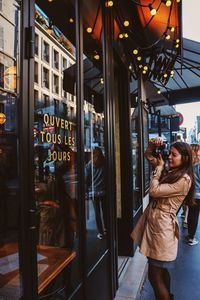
(166, 111)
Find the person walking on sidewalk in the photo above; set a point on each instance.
(193, 214)
(157, 229)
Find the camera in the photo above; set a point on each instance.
(163, 150)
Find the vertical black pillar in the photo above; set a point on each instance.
(27, 245)
(108, 71)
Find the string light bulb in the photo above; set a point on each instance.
(109, 4)
(145, 68)
(71, 20)
(178, 1)
(130, 67)
(126, 23)
(167, 36)
(126, 35)
(168, 3)
(139, 58)
(152, 10)
(96, 56)
(159, 92)
(177, 41)
(165, 75)
(135, 51)
(89, 29)
(172, 29)
(121, 36)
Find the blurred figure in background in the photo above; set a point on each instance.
(193, 215)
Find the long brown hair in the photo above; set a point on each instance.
(173, 175)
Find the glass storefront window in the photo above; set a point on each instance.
(55, 157)
(10, 287)
(96, 207)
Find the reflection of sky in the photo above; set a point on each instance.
(189, 112)
(191, 20)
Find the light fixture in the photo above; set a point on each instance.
(145, 68)
(139, 58)
(96, 56)
(167, 36)
(144, 71)
(50, 0)
(140, 66)
(177, 41)
(172, 28)
(168, 3)
(152, 10)
(135, 51)
(172, 72)
(71, 20)
(121, 36)
(126, 23)
(126, 35)
(178, 1)
(177, 45)
(130, 67)
(109, 3)
(165, 75)
(101, 80)
(89, 29)
(159, 92)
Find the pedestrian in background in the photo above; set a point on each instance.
(157, 229)
(193, 214)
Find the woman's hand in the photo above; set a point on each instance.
(160, 161)
(156, 142)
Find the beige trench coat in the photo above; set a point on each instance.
(157, 229)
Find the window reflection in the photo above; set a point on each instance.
(10, 287)
(55, 158)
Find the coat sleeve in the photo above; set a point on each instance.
(179, 188)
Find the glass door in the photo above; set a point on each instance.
(10, 274)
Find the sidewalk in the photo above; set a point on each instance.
(185, 278)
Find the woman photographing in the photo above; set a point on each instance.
(157, 230)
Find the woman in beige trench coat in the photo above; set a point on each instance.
(157, 230)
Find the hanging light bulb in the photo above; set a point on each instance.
(144, 71)
(167, 36)
(126, 35)
(159, 92)
(130, 67)
(139, 58)
(165, 75)
(177, 41)
(126, 23)
(121, 36)
(109, 4)
(89, 29)
(96, 56)
(71, 20)
(145, 68)
(168, 3)
(135, 51)
(178, 1)
(152, 10)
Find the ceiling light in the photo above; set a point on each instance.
(152, 10)
(135, 51)
(89, 29)
(50, 0)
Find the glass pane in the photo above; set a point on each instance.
(55, 151)
(135, 158)
(9, 186)
(94, 134)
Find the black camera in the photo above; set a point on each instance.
(163, 150)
